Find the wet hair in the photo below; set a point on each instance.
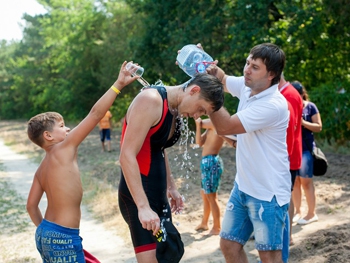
(301, 89)
(40, 123)
(212, 90)
(273, 58)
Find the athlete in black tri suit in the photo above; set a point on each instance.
(153, 174)
(152, 123)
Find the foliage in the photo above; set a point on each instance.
(72, 54)
(334, 107)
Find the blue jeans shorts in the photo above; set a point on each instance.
(307, 165)
(56, 243)
(245, 214)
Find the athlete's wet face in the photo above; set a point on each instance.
(194, 106)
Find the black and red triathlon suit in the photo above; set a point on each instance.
(153, 174)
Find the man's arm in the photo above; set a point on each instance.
(225, 124)
(232, 142)
(34, 197)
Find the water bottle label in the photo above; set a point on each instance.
(200, 68)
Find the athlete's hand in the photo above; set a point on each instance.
(149, 219)
(176, 201)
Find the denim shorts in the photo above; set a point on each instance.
(307, 165)
(56, 243)
(245, 214)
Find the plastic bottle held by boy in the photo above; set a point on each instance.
(193, 60)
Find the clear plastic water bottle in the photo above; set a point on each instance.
(193, 60)
(137, 70)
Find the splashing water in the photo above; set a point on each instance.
(187, 137)
(183, 159)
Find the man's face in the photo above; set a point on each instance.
(256, 75)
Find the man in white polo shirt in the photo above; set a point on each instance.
(260, 197)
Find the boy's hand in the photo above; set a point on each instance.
(124, 78)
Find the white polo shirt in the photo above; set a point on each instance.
(261, 154)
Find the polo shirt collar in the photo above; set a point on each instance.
(264, 93)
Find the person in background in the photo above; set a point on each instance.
(295, 107)
(57, 234)
(105, 131)
(261, 194)
(147, 189)
(212, 168)
(311, 122)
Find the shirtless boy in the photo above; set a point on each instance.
(211, 170)
(57, 235)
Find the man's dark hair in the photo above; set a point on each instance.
(212, 89)
(272, 56)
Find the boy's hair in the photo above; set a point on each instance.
(272, 56)
(212, 89)
(40, 123)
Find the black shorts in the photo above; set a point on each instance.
(142, 239)
(293, 174)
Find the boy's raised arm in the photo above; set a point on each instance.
(79, 133)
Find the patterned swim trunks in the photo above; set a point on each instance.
(56, 243)
(212, 168)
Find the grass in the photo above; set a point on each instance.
(13, 216)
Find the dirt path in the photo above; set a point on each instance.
(20, 247)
